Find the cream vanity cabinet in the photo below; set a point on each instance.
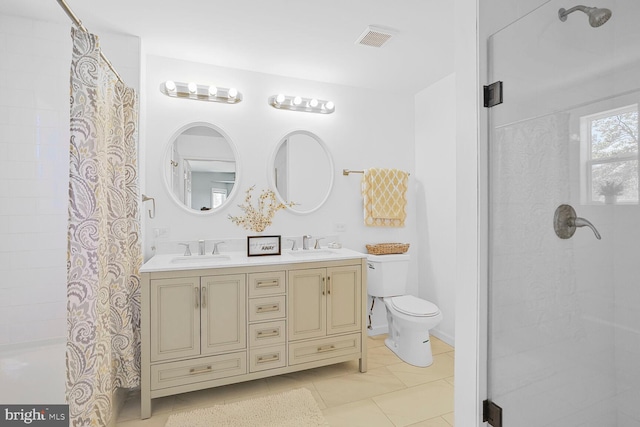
(324, 303)
(187, 315)
(207, 327)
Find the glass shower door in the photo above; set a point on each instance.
(564, 308)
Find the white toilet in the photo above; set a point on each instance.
(409, 318)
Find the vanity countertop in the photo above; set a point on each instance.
(171, 262)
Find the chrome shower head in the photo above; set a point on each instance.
(597, 16)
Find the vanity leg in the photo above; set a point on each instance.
(363, 363)
(145, 406)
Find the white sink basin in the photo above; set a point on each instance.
(200, 259)
(312, 252)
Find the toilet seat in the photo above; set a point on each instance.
(412, 306)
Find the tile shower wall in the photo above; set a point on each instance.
(552, 300)
(34, 117)
(34, 137)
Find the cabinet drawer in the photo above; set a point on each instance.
(267, 308)
(196, 370)
(325, 348)
(267, 283)
(264, 358)
(268, 333)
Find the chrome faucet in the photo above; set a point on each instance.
(201, 249)
(187, 250)
(215, 247)
(305, 241)
(294, 244)
(317, 245)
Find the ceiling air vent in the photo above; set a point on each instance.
(375, 36)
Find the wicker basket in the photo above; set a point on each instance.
(388, 248)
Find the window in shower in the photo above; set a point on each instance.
(610, 154)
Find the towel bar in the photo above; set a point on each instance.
(346, 172)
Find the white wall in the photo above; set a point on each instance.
(469, 352)
(34, 141)
(360, 134)
(435, 124)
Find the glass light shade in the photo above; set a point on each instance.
(213, 91)
(233, 92)
(313, 102)
(280, 98)
(329, 105)
(170, 85)
(297, 100)
(192, 87)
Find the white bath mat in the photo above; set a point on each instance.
(295, 408)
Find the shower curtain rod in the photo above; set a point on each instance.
(76, 21)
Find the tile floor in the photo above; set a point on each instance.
(391, 393)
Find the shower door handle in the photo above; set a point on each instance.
(565, 222)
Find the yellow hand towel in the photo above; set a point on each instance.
(384, 192)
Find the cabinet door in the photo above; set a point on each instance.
(307, 303)
(175, 318)
(224, 313)
(344, 299)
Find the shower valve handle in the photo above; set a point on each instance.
(565, 222)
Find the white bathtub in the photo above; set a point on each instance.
(33, 372)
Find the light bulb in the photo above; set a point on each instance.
(314, 102)
(233, 92)
(329, 105)
(280, 98)
(192, 87)
(213, 91)
(169, 85)
(297, 100)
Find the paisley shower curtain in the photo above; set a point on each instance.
(104, 252)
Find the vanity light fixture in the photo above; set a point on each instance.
(170, 86)
(200, 92)
(297, 103)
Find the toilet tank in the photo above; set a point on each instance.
(387, 274)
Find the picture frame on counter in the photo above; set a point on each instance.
(263, 245)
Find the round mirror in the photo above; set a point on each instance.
(301, 171)
(201, 168)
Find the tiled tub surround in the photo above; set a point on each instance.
(34, 171)
(208, 322)
(34, 152)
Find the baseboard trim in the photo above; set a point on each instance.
(443, 337)
(378, 330)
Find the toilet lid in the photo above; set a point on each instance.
(408, 304)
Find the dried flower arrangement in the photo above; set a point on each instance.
(257, 219)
